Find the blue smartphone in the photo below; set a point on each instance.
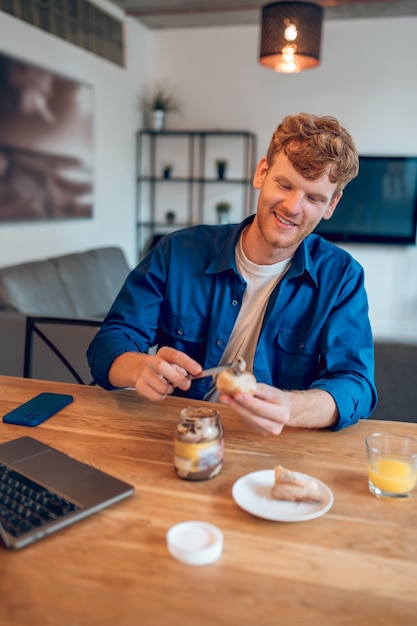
(38, 409)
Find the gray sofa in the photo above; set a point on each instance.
(53, 307)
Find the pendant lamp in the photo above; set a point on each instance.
(291, 36)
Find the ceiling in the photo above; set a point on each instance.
(156, 14)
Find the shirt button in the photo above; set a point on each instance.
(234, 303)
(180, 331)
(219, 342)
(301, 346)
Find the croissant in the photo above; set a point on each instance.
(291, 486)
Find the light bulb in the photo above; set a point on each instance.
(288, 64)
(290, 31)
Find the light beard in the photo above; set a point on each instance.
(279, 241)
(263, 249)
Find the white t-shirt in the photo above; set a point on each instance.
(261, 281)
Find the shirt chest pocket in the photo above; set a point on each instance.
(298, 358)
(188, 334)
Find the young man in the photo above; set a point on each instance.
(292, 305)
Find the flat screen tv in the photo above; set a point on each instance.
(379, 205)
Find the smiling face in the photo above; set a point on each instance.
(289, 208)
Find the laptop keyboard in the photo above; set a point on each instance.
(25, 505)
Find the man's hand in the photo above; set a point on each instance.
(154, 376)
(270, 409)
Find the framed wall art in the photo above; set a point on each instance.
(46, 144)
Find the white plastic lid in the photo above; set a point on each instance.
(195, 543)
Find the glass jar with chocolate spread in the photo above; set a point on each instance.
(198, 444)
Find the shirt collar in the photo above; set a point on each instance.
(225, 259)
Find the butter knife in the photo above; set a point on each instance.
(213, 371)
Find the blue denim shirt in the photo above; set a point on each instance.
(187, 294)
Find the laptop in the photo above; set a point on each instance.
(43, 490)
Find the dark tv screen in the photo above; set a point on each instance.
(379, 205)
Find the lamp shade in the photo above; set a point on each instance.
(291, 36)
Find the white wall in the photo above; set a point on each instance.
(367, 78)
(116, 118)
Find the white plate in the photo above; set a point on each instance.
(253, 494)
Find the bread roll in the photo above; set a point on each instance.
(236, 380)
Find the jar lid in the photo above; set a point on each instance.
(199, 412)
(195, 543)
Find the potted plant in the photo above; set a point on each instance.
(221, 165)
(166, 170)
(223, 210)
(170, 217)
(157, 104)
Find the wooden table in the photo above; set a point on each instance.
(357, 564)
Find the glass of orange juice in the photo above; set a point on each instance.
(392, 465)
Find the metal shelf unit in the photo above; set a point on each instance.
(188, 193)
